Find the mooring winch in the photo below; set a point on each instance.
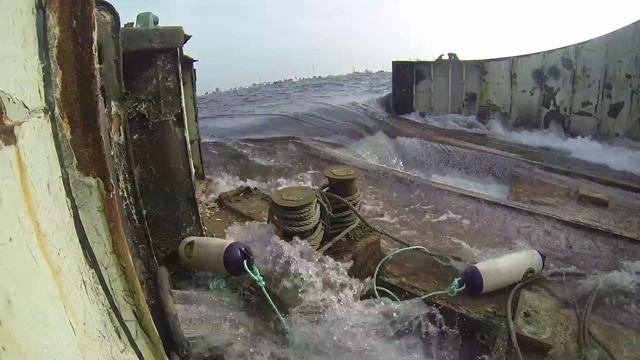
(342, 182)
(295, 211)
(317, 215)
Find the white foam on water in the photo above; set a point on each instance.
(485, 186)
(224, 182)
(436, 162)
(327, 317)
(614, 156)
(386, 217)
(297, 267)
(475, 254)
(446, 216)
(378, 149)
(619, 293)
(626, 280)
(450, 121)
(252, 153)
(621, 155)
(408, 233)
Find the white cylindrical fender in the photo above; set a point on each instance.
(497, 273)
(216, 255)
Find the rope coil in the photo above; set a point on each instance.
(342, 216)
(298, 221)
(303, 222)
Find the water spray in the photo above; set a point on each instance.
(225, 257)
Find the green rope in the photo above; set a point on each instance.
(257, 277)
(218, 284)
(453, 290)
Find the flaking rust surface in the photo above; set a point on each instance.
(249, 203)
(235, 206)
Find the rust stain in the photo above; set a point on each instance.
(7, 133)
(83, 119)
(3, 115)
(43, 242)
(76, 56)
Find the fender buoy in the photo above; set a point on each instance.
(215, 255)
(497, 273)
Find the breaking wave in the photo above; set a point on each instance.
(614, 156)
(622, 157)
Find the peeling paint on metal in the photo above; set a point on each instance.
(590, 88)
(423, 96)
(496, 84)
(19, 60)
(51, 303)
(526, 90)
(61, 296)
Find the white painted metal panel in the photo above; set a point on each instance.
(633, 129)
(496, 84)
(472, 75)
(620, 66)
(557, 93)
(527, 81)
(456, 86)
(441, 97)
(587, 86)
(423, 86)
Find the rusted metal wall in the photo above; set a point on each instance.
(472, 76)
(158, 129)
(423, 87)
(138, 257)
(70, 286)
(403, 80)
(589, 88)
(82, 211)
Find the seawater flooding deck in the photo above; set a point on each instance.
(450, 183)
(471, 195)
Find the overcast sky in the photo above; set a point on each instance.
(239, 42)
